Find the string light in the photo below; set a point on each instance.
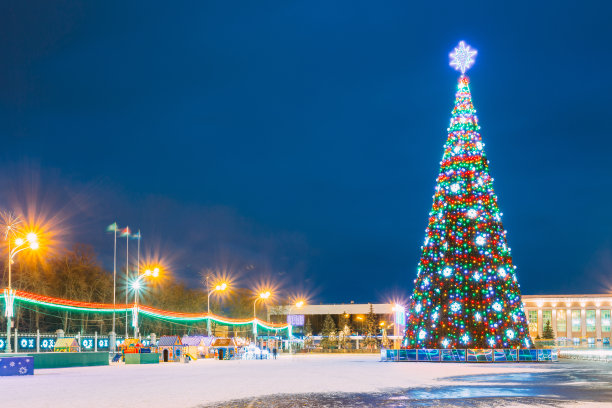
(90, 307)
(466, 291)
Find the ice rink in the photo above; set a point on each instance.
(307, 380)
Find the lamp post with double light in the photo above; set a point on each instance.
(136, 286)
(262, 296)
(217, 288)
(29, 242)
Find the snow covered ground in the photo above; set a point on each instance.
(208, 381)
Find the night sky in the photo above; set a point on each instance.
(300, 141)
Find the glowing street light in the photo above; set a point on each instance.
(136, 286)
(262, 296)
(154, 272)
(218, 288)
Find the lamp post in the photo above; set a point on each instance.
(31, 242)
(297, 305)
(220, 287)
(262, 296)
(136, 285)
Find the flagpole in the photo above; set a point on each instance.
(138, 257)
(114, 285)
(127, 277)
(137, 274)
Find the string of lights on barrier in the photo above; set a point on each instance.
(90, 307)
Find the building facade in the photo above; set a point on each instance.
(386, 315)
(574, 319)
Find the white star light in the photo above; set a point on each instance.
(462, 58)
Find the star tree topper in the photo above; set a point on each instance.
(462, 58)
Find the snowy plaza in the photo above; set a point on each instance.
(227, 204)
(341, 380)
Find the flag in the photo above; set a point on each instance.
(136, 235)
(126, 232)
(113, 227)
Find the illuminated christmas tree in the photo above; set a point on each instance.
(466, 293)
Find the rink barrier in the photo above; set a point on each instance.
(470, 355)
(61, 360)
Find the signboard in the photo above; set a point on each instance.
(47, 343)
(295, 320)
(87, 344)
(27, 343)
(102, 344)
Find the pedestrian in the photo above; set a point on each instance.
(274, 352)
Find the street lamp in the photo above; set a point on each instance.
(262, 296)
(219, 288)
(29, 242)
(297, 305)
(137, 285)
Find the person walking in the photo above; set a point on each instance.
(274, 352)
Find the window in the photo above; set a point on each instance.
(532, 318)
(590, 320)
(605, 320)
(576, 327)
(546, 318)
(561, 321)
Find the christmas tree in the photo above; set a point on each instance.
(466, 293)
(328, 333)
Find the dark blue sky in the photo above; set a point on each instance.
(301, 140)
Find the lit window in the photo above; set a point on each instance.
(546, 318)
(576, 326)
(561, 321)
(532, 317)
(605, 320)
(590, 320)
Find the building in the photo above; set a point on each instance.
(574, 319)
(355, 314)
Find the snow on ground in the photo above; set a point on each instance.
(204, 381)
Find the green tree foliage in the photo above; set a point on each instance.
(329, 333)
(308, 343)
(370, 341)
(344, 331)
(77, 274)
(548, 333)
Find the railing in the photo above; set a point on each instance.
(469, 355)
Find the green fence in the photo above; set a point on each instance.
(142, 358)
(59, 360)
